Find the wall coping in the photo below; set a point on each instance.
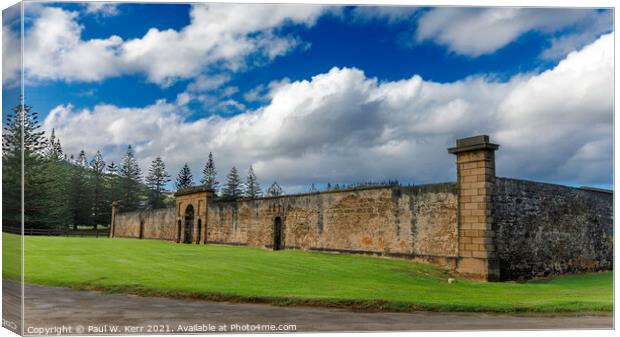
(423, 187)
(192, 190)
(480, 142)
(582, 188)
(352, 189)
(596, 189)
(303, 194)
(145, 210)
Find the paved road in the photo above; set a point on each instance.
(49, 307)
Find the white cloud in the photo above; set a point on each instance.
(586, 31)
(208, 90)
(342, 126)
(11, 58)
(102, 8)
(54, 50)
(229, 106)
(183, 98)
(389, 13)
(207, 83)
(213, 96)
(11, 47)
(478, 31)
(256, 94)
(219, 36)
(557, 117)
(262, 92)
(225, 38)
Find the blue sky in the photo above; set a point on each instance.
(311, 94)
(373, 46)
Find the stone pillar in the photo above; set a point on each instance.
(475, 160)
(113, 220)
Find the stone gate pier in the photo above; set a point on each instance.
(475, 187)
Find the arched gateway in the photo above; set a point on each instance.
(191, 212)
(189, 224)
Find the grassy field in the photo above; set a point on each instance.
(220, 272)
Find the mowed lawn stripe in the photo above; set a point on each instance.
(150, 267)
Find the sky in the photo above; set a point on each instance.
(310, 94)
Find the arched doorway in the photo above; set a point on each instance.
(199, 231)
(141, 229)
(189, 224)
(277, 233)
(179, 232)
(206, 232)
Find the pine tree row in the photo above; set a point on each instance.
(65, 191)
(233, 188)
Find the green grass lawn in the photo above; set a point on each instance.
(219, 272)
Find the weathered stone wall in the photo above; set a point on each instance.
(538, 229)
(415, 222)
(127, 224)
(418, 221)
(542, 229)
(482, 226)
(158, 224)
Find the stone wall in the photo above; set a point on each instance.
(157, 224)
(482, 227)
(542, 229)
(415, 222)
(418, 220)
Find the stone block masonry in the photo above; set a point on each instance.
(545, 229)
(475, 178)
(416, 222)
(481, 227)
(155, 224)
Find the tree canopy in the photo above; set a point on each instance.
(252, 187)
(185, 178)
(233, 188)
(156, 180)
(209, 178)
